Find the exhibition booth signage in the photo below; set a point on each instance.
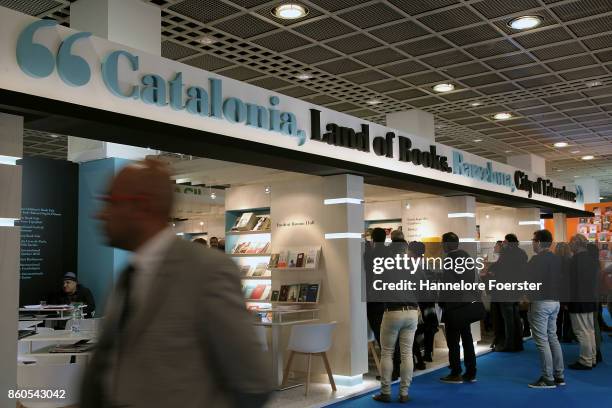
(44, 59)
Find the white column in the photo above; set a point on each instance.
(528, 220)
(349, 359)
(414, 122)
(129, 22)
(529, 162)
(560, 222)
(590, 189)
(11, 148)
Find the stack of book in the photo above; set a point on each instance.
(302, 292)
(295, 259)
(258, 270)
(245, 222)
(247, 247)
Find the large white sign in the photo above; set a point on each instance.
(39, 57)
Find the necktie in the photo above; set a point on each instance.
(127, 280)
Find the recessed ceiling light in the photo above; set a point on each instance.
(475, 104)
(587, 157)
(206, 40)
(507, 151)
(445, 87)
(478, 140)
(267, 190)
(559, 170)
(576, 176)
(601, 198)
(213, 195)
(525, 22)
(303, 77)
(54, 136)
(374, 102)
(575, 151)
(502, 116)
(561, 144)
(290, 11)
(593, 84)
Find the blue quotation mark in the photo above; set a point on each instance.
(38, 61)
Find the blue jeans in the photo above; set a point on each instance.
(400, 324)
(543, 321)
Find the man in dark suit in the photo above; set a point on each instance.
(177, 332)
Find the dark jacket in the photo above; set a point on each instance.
(510, 267)
(584, 272)
(545, 268)
(458, 300)
(81, 295)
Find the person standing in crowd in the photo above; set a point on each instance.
(221, 244)
(510, 267)
(564, 323)
(598, 320)
(179, 334)
(74, 292)
(201, 241)
(454, 316)
(545, 267)
(214, 242)
(584, 272)
(399, 325)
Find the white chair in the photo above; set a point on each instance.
(310, 339)
(87, 324)
(50, 377)
(372, 348)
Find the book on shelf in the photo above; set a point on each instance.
(284, 293)
(294, 293)
(282, 259)
(245, 222)
(311, 258)
(292, 259)
(312, 295)
(299, 262)
(245, 270)
(303, 292)
(261, 269)
(263, 223)
(273, 261)
(274, 297)
(251, 248)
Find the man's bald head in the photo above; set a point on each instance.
(138, 204)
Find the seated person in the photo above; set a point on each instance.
(73, 292)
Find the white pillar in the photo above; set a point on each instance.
(529, 162)
(528, 220)
(590, 189)
(560, 222)
(11, 148)
(414, 122)
(129, 22)
(350, 357)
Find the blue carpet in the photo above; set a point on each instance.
(502, 382)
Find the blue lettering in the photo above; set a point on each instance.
(110, 73)
(176, 92)
(154, 90)
(216, 98)
(234, 110)
(197, 103)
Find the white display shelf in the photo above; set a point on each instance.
(248, 255)
(248, 232)
(266, 278)
(293, 269)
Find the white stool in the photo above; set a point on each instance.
(311, 339)
(50, 377)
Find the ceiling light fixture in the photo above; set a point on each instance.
(475, 104)
(374, 102)
(601, 198)
(54, 136)
(206, 40)
(507, 151)
(525, 22)
(290, 11)
(445, 87)
(593, 84)
(502, 116)
(267, 190)
(561, 144)
(303, 77)
(575, 151)
(587, 157)
(478, 140)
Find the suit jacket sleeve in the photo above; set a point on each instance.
(227, 332)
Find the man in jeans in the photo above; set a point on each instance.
(545, 267)
(400, 321)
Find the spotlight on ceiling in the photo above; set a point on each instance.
(587, 157)
(477, 140)
(475, 104)
(525, 22)
(267, 190)
(303, 77)
(445, 87)
(561, 144)
(502, 116)
(575, 151)
(290, 11)
(213, 195)
(374, 102)
(206, 40)
(593, 84)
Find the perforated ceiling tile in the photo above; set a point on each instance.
(406, 94)
(598, 43)
(604, 56)
(31, 7)
(245, 26)
(344, 106)
(312, 55)
(424, 46)
(539, 81)
(582, 8)
(354, 43)
(523, 72)
(341, 66)
(175, 51)
(364, 77)
(559, 51)
(501, 88)
(482, 80)
(543, 37)
(371, 15)
(322, 99)
(424, 78)
(207, 62)
(460, 95)
(491, 49)
(324, 29)
(386, 86)
(472, 35)
(404, 68)
(204, 10)
(584, 73)
(335, 5)
(297, 91)
(466, 69)
(281, 41)
(380, 57)
(414, 7)
(422, 102)
(448, 19)
(572, 62)
(592, 26)
(270, 83)
(241, 73)
(498, 8)
(403, 31)
(509, 61)
(447, 58)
